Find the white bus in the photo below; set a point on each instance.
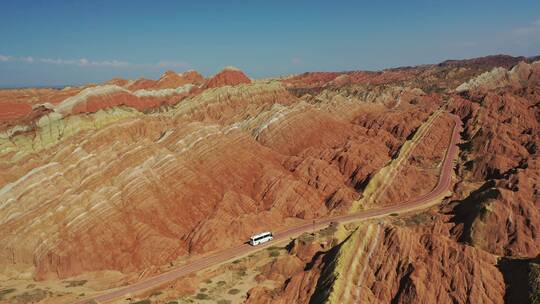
(260, 238)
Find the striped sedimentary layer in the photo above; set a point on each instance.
(193, 177)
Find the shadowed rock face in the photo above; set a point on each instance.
(149, 171)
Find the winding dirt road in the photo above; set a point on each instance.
(426, 200)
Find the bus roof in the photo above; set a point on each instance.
(261, 234)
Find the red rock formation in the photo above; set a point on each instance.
(17, 104)
(102, 97)
(11, 111)
(171, 79)
(228, 76)
(419, 174)
(229, 159)
(304, 163)
(311, 79)
(487, 62)
(299, 268)
(322, 79)
(118, 81)
(141, 84)
(192, 76)
(300, 178)
(397, 264)
(501, 117)
(501, 151)
(417, 274)
(446, 75)
(97, 98)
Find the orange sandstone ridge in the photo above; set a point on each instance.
(141, 94)
(171, 79)
(228, 76)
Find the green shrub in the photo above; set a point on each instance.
(223, 301)
(32, 296)
(242, 271)
(306, 237)
(328, 231)
(274, 253)
(233, 291)
(75, 283)
(202, 296)
(4, 292)
(221, 283)
(146, 301)
(418, 219)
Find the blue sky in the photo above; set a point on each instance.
(73, 42)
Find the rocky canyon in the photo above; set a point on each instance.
(110, 184)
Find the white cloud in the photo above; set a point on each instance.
(56, 61)
(107, 63)
(112, 63)
(296, 60)
(27, 59)
(4, 58)
(84, 62)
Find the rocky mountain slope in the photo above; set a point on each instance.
(152, 172)
(479, 246)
